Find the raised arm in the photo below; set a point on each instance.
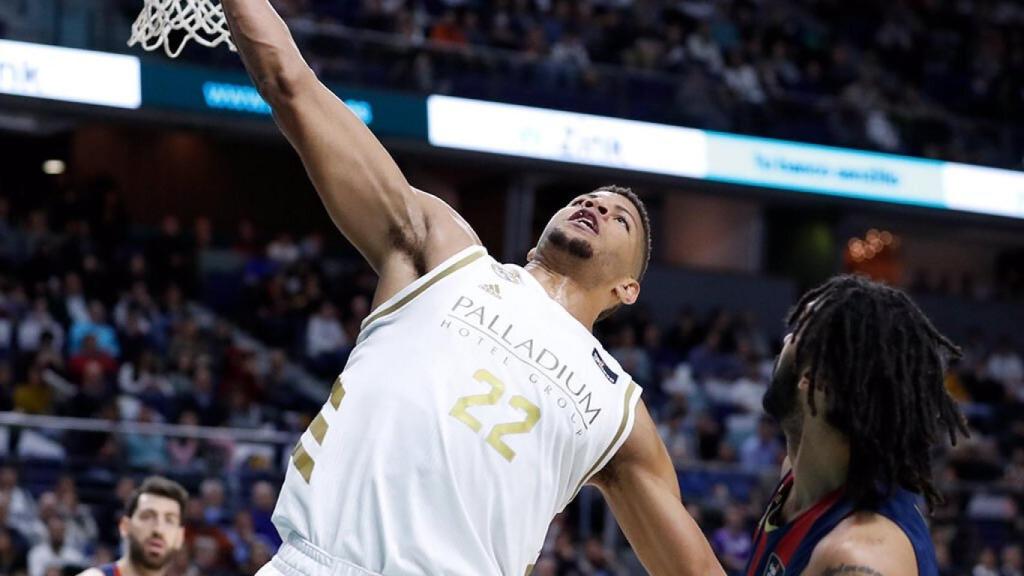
(401, 231)
(641, 486)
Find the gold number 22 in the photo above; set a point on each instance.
(460, 412)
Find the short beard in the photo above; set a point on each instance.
(137, 553)
(782, 401)
(577, 247)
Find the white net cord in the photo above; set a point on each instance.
(199, 20)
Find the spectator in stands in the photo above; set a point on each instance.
(763, 451)
(184, 451)
(741, 77)
(567, 557)
(204, 400)
(6, 333)
(203, 537)
(262, 508)
(213, 497)
(142, 374)
(96, 325)
(13, 559)
(326, 341)
(76, 307)
(732, 542)
(6, 389)
(49, 355)
(707, 359)
(1012, 561)
(34, 396)
(1006, 367)
(37, 322)
(90, 352)
(172, 256)
(55, 550)
(633, 358)
(596, 561)
(20, 505)
(283, 250)
(245, 540)
(988, 563)
(146, 451)
(447, 29)
(81, 529)
(673, 431)
(260, 555)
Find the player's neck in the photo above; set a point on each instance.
(129, 568)
(576, 300)
(820, 460)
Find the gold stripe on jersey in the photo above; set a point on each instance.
(337, 393)
(303, 461)
(626, 401)
(433, 280)
(318, 428)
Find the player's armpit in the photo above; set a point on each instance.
(642, 489)
(447, 234)
(865, 544)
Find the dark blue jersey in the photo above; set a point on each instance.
(786, 550)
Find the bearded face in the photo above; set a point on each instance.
(782, 401)
(154, 532)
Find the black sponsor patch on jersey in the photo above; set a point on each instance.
(608, 372)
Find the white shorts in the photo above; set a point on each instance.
(298, 557)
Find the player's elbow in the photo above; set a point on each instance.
(280, 85)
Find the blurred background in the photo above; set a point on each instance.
(173, 298)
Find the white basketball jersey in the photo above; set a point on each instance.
(471, 411)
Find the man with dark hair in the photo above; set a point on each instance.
(476, 402)
(151, 528)
(859, 392)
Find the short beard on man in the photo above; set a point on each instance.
(139, 555)
(577, 247)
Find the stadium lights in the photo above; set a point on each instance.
(875, 242)
(54, 167)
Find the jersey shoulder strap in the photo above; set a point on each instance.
(110, 569)
(903, 510)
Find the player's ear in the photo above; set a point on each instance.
(531, 254)
(122, 526)
(805, 381)
(627, 291)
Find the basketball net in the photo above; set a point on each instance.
(172, 23)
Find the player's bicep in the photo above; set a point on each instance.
(363, 190)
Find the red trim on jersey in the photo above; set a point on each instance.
(799, 527)
(755, 560)
(796, 529)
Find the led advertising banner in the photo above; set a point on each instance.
(543, 134)
(226, 92)
(69, 75)
(566, 137)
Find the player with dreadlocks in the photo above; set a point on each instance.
(858, 390)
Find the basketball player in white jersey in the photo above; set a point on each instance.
(476, 402)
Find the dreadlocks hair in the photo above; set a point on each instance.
(880, 364)
(645, 220)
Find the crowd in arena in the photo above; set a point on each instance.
(99, 322)
(937, 79)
